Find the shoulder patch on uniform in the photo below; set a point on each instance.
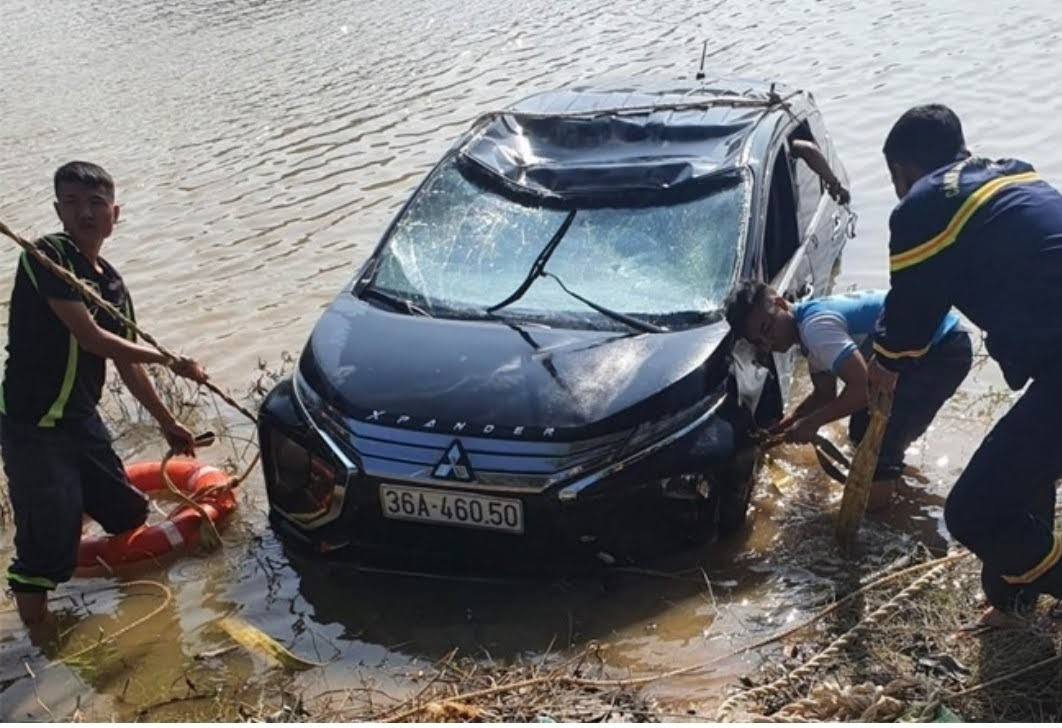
(953, 176)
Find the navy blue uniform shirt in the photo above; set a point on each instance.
(985, 237)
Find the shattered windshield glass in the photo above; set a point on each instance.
(460, 248)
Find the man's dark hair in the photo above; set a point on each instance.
(742, 301)
(84, 173)
(927, 137)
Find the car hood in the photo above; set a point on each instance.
(433, 373)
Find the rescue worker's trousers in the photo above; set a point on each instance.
(921, 390)
(1003, 506)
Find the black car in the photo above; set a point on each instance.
(534, 358)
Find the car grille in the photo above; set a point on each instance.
(394, 453)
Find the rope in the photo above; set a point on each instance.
(208, 532)
(115, 635)
(90, 295)
(209, 536)
(1004, 678)
(936, 565)
(773, 99)
(827, 611)
(867, 703)
(834, 649)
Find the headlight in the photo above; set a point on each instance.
(324, 418)
(303, 484)
(649, 432)
(648, 439)
(311, 401)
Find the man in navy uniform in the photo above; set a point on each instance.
(985, 237)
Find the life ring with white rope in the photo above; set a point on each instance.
(209, 487)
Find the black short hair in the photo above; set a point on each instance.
(742, 300)
(84, 173)
(928, 137)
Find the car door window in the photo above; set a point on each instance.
(809, 186)
(781, 239)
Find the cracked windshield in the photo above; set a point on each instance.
(465, 248)
(530, 361)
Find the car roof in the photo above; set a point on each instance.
(636, 93)
(610, 139)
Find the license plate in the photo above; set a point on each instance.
(455, 509)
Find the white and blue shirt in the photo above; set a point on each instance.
(833, 327)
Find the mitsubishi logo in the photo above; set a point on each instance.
(454, 464)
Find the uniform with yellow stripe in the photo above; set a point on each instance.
(985, 237)
(982, 236)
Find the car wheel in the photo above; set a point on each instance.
(732, 504)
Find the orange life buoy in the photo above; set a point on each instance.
(180, 530)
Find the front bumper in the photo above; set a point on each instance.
(616, 509)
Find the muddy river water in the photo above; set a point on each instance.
(260, 147)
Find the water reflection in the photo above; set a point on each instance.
(427, 616)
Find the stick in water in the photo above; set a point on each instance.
(865, 462)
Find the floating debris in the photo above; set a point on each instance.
(258, 641)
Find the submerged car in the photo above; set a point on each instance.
(534, 358)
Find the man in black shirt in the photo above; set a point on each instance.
(57, 452)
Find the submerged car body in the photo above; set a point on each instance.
(534, 357)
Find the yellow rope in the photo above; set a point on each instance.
(880, 614)
(1004, 678)
(935, 566)
(209, 536)
(115, 635)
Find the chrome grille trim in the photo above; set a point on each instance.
(501, 466)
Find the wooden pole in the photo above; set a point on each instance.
(861, 474)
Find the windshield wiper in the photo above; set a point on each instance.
(395, 302)
(538, 266)
(631, 321)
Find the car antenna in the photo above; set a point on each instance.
(704, 55)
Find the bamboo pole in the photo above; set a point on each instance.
(865, 462)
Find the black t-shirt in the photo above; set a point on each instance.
(48, 378)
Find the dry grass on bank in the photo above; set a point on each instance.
(909, 666)
(915, 664)
(548, 689)
(453, 690)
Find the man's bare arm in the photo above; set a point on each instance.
(91, 337)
